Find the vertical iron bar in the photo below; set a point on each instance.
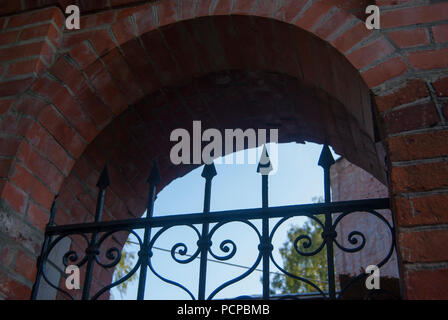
(92, 249)
(326, 160)
(265, 238)
(204, 243)
(264, 168)
(144, 253)
(40, 261)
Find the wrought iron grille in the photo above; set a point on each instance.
(95, 235)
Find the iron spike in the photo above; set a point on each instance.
(209, 171)
(154, 177)
(326, 159)
(104, 181)
(264, 165)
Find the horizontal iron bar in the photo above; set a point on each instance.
(223, 216)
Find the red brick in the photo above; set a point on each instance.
(123, 30)
(26, 67)
(40, 166)
(263, 8)
(75, 114)
(93, 105)
(429, 59)
(424, 246)
(188, 9)
(441, 87)
(33, 187)
(47, 87)
(141, 66)
(290, 9)
(333, 24)
(12, 289)
(105, 86)
(167, 12)
(418, 146)
(384, 71)
(26, 266)
(15, 125)
(241, 6)
(9, 146)
(15, 197)
(351, 37)
(6, 255)
(123, 76)
(410, 118)
(426, 284)
(413, 90)
(313, 15)
(370, 53)
(83, 55)
(440, 33)
(5, 104)
(97, 19)
(5, 165)
(47, 145)
(410, 37)
(414, 15)
(36, 16)
(145, 20)
(419, 177)
(46, 30)
(426, 210)
(7, 37)
(37, 216)
(63, 133)
(14, 87)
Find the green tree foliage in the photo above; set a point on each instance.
(123, 268)
(313, 268)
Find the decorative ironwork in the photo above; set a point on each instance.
(90, 233)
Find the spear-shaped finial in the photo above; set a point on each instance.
(154, 176)
(104, 181)
(264, 166)
(326, 159)
(209, 171)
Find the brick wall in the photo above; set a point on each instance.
(349, 182)
(65, 94)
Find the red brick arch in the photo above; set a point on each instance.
(165, 58)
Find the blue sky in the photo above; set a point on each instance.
(297, 180)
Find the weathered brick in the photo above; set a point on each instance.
(26, 266)
(413, 90)
(40, 166)
(370, 53)
(414, 15)
(418, 146)
(426, 284)
(421, 210)
(37, 216)
(15, 197)
(13, 289)
(384, 71)
(419, 116)
(423, 246)
(441, 87)
(351, 37)
(33, 187)
(46, 144)
(410, 37)
(440, 33)
(419, 177)
(63, 133)
(429, 59)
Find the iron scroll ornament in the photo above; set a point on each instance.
(99, 231)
